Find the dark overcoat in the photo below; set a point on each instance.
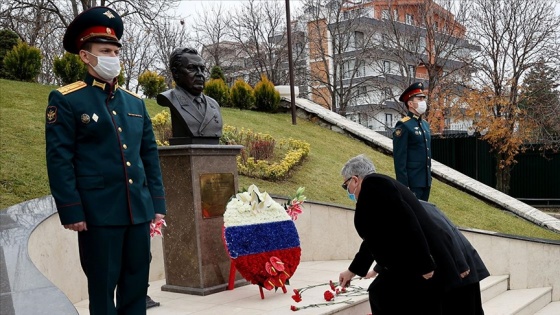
(400, 236)
(467, 256)
(102, 158)
(412, 151)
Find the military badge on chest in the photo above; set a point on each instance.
(86, 118)
(417, 131)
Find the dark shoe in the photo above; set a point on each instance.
(150, 302)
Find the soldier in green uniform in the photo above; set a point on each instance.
(412, 143)
(103, 167)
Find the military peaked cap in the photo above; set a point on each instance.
(416, 89)
(97, 24)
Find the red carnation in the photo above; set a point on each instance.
(328, 296)
(296, 298)
(332, 285)
(294, 308)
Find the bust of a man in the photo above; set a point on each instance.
(195, 117)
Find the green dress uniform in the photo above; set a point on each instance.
(412, 156)
(103, 168)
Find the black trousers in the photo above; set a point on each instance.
(392, 294)
(465, 300)
(116, 257)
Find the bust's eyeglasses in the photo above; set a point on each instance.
(345, 184)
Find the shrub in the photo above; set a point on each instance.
(69, 68)
(266, 96)
(8, 40)
(161, 123)
(242, 95)
(152, 83)
(217, 73)
(256, 158)
(218, 90)
(23, 63)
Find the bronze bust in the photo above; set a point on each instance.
(195, 117)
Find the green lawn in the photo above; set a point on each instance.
(23, 173)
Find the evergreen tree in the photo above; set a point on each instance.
(23, 63)
(69, 68)
(541, 99)
(8, 40)
(217, 73)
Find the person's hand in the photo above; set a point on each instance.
(464, 274)
(78, 226)
(158, 218)
(429, 275)
(345, 277)
(371, 274)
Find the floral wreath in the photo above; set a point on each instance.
(261, 237)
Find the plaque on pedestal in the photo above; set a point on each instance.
(199, 181)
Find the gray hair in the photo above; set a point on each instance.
(358, 166)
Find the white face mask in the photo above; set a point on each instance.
(107, 67)
(421, 109)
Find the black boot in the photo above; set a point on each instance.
(150, 302)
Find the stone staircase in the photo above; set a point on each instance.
(498, 299)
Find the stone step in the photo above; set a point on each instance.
(493, 286)
(518, 302)
(552, 308)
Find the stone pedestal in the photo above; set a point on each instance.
(195, 258)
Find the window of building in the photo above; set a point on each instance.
(358, 40)
(395, 15)
(436, 26)
(412, 71)
(389, 120)
(386, 66)
(385, 15)
(387, 95)
(385, 40)
(409, 19)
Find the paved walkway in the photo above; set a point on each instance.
(246, 300)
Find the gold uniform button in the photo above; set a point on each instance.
(119, 129)
(128, 164)
(115, 113)
(130, 181)
(124, 146)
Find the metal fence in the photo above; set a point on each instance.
(534, 179)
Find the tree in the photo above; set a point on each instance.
(168, 36)
(69, 68)
(217, 73)
(41, 23)
(137, 53)
(266, 96)
(23, 63)
(426, 41)
(242, 95)
(259, 29)
(8, 40)
(511, 44)
(333, 74)
(218, 90)
(542, 102)
(211, 28)
(152, 84)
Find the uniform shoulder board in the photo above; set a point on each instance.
(72, 87)
(405, 119)
(130, 92)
